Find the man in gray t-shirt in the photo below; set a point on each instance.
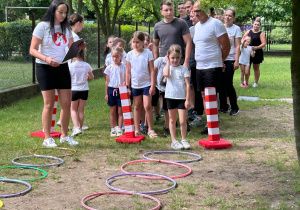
(170, 31)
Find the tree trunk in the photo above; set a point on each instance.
(80, 5)
(295, 71)
(71, 11)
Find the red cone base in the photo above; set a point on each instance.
(222, 144)
(124, 139)
(41, 134)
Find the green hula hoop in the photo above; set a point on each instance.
(44, 172)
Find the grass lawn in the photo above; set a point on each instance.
(260, 170)
(280, 46)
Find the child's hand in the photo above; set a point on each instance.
(152, 91)
(236, 65)
(167, 58)
(253, 48)
(106, 97)
(187, 104)
(129, 90)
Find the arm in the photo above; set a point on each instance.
(91, 75)
(106, 87)
(128, 74)
(245, 35)
(166, 72)
(225, 45)
(237, 43)
(33, 50)
(155, 50)
(262, 40)
(152, 75)
(187, 100)
(188, 49)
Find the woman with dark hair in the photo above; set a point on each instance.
(49, 40)
(258, 41)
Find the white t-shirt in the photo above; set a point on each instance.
(176, 88)
(208, 52)
(75, 36)
(116, 75)
(79, 71)
(52, 45)
(160, 64)
(140, 74)
(233, 32)
(109, 60)
(245, 55)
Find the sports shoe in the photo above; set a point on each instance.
(193, 116)
(113, 133)
(118, 131)
(246, 85)
(158, 118)
(185, 144)
(144, 130)
(222, 110)
(58, 123)
(196, 123)
(190, 111)
(69, 140)
(167, 130)
(176, 145)
(49, 142)
(84, 127)
(76, 132)
(255, 85)
(234, 112)
(204, 131)
(242, 85)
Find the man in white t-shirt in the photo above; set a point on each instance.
(211, 49)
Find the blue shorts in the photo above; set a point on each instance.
(141, 91)
(113, 97)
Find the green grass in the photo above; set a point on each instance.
(280, 47)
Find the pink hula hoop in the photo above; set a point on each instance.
(122, 193)
(161, 161)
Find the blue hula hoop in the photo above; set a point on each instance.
(38, 165)
(16, 194)
(173, 152)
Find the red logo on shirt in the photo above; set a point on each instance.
(58, 38)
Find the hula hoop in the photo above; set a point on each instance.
(16, 194)
(44, 172)
(59, 148)
(142, 192)
(172, 152)
(37, 165)
(122, 193)
(161, 161)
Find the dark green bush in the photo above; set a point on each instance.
(281, 35)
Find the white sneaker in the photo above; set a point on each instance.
(185, 144)
(69, 140)
(113, 133)
(76, 132)
(176, 145)
(255, 85)
(119, 132)
(49, 142)
(84, 127)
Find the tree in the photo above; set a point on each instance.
(295, 71)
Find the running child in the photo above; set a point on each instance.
(115, 76)
(246, 52)
(80, 72)
(140, 76)
(177, 95)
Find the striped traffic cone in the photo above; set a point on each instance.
(129, 136)
(214, 141)
(53, 133)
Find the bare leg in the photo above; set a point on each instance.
(74, 114)
(148, 111)
(120, 119)
(172, 123)
(65, 96)
(137, 111)
(242, 73)
(247, 73)
(81, 106)
(49, 98)
(182, 119)
(256, 72)
(113, 116)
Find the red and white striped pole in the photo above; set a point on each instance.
(129, 136)
(52, 132)
(214, 141)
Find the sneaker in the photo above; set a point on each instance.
(158, 118)
(58, 123)
(204, 131)
(84, 127)
(255, 85)
(196, 123)
(144, 130)
(113, 133)
(229, 107)
(190, 111)
(76, 132)
(246, 85)
(222, 110)
(167, 130)
(242, 85)
(49, 142)
(176, 145)
(69, 140)
(234, 112)
(119, 132)
(193, 116)
(185, 144)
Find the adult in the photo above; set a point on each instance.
(258, 41)
(49, 40)
(232, 61)
(211, 49)
(171, 30)
(181, 10)
(188, 7)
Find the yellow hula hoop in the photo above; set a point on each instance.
(1, 203)
(31, 151)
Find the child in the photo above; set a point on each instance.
(107, 49)
(177, 95)
(115, 76)
(244, 61)
(80, 72)
(147, 42)
(118, 42)
(140, 77)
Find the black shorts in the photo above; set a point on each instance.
(155, 97)
(50, 78)
(164, 106)
(175, 103)
(83, 95)
(207, 78)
